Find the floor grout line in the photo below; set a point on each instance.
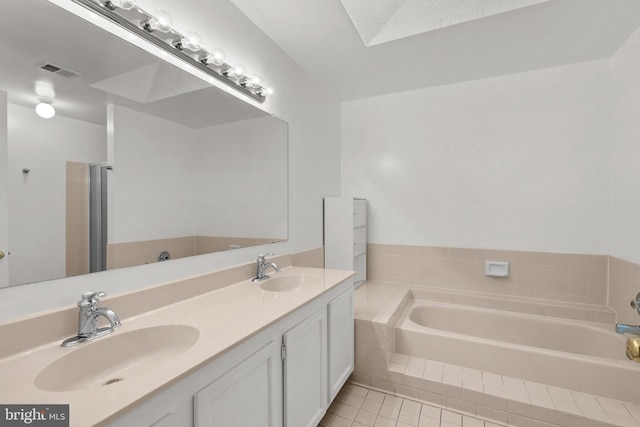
(358, 406)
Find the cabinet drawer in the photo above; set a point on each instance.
(360, 267)
(359, 212)
(359, 241)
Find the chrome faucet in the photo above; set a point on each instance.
(262, 266)
(621, 328)
(88, 320)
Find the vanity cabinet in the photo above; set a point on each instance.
(286, 375)
(340, 339)
(242, 396)
(345, 236)
(304, 367)
(240, 388)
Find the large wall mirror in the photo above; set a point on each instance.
(142, 161)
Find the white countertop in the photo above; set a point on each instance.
(224, 318)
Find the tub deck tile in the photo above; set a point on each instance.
(390, 410)
(528, 403)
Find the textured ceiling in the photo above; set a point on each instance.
(320, 36)
(381, 21)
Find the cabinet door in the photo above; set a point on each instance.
(305, 374)
(241, 397)
(341, 342)
(360, 267)
(359, 212)
(359, 241)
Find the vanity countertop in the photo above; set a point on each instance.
(225, 318)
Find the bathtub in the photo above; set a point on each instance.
(563, 353)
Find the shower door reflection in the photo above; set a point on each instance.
(98, 178)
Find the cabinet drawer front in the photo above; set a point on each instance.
(359, 212)
(359, 241)
(360, 267)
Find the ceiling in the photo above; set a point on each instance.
(321, 37)
(381, 21)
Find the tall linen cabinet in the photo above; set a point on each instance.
(345, 235)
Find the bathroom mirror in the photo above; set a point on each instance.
(150, 161)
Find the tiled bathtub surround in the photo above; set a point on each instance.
(576, 278)
(624, 285)
(77, 218)
(504, 399)
(495, 397)
(128, 254)
(590, 282)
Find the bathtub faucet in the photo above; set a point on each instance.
(621, 328)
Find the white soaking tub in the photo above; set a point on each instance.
(564, 353)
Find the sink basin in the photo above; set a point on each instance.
(116, 358)
(288, 283)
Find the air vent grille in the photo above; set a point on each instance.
(58, 70)
(49, 67)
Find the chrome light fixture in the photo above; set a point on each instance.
(157, 29)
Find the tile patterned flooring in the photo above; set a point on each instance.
(356, 406)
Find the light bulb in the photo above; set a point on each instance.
(216, 57)
(238, 71)
(162, 21)
(123, 4)
(264, 91)
(254, 81)
(45, 110)
(192, 41)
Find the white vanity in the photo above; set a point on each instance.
(286, 375)
(251, 357)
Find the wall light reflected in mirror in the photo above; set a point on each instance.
(45, 109)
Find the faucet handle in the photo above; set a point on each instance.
(262, 257)
(636, 303)
(93, 294)
(90, 298)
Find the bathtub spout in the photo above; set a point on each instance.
(621, 328)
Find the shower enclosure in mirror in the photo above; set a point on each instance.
(188, 169)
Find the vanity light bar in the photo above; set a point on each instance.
(137, 21)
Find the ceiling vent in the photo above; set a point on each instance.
(57, 70)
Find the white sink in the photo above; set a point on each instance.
(288, 283)
(115, 358)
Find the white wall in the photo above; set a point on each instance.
(37, 201)
(243, 175)
(172, 181)
(625, 151)
(513, 162)
(151, 193)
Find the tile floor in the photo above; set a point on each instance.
(357, 406)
